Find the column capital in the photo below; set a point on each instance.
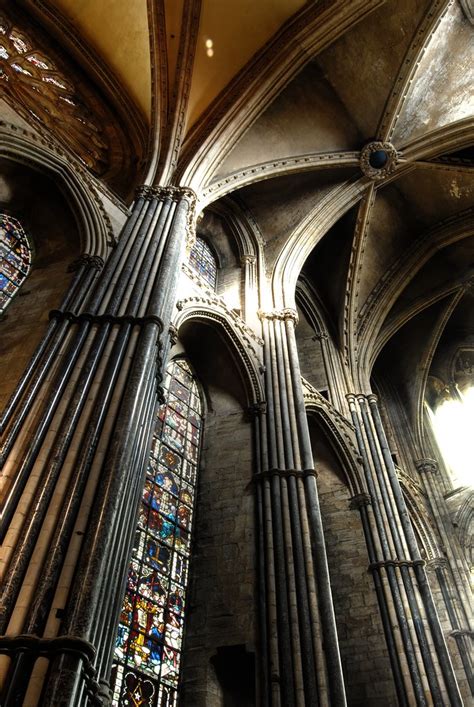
(372, 399)
(257, 409)
(94, 261)
(360, 501)
(248, 259)
(320, 336)
(286, 314)
(175, 194)
(426, 465)
(437, 563)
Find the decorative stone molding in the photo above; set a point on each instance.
(320, 336)
(427, 466)
(287, 314)
(173, 334)
(395, 563)
(445, 232)
(93, 261)
(267, 170)
(378, 160)
(247, 344)
(285, 473)
(359, 501)
(176, 194)
(404, 80)
(215, 301)
(31, 149)
(343, 432)
(247, 259)
(257, 409)
(437, 563)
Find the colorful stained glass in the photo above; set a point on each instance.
(15, 258)
(150, 633)
(32, 81)
(203, 262)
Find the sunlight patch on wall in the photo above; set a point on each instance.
(453, 425)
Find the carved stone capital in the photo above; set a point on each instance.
(257, 409)
(320, 336)
(248, 259)
(437, 563)
(93, 261)
(175, 194)
(173, 334)
(287, 314)
(427, 466)
(359, 501)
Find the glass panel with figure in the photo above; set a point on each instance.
(150, 633)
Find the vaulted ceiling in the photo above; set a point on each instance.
(271, 104)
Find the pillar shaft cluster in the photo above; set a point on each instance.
(76, 439)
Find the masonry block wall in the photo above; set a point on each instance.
(220, 634)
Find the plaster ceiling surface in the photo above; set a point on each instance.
(237, 29)
(118, 31)
(306, 118)
(441, 91)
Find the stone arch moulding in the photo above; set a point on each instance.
(243, 344)
(418, 514)
(340, 436)
(94, 227)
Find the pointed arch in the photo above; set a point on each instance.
(242, 343)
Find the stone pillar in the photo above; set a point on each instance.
(77, 442)
(422, 668)
(303, 656)
(249, 288)
(449, 570)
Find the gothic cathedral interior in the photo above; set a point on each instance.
(237, 350)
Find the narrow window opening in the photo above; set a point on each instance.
(150, 633)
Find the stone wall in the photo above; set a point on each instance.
(219, 643)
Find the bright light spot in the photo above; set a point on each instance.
(453, 424)
(210, 52)
(209, 43)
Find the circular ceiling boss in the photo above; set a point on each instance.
(378, 159)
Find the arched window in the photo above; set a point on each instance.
(203, 262)
(35, 84)
(148, 647)
(15, 259)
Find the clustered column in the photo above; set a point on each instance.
(449, 570)
(298, 616)
(420, 661)
(75, 446)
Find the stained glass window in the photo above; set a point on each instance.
(35, 84)
(15, 259)
(150, 634)
(203, 262)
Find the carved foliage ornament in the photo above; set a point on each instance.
(378, 159)
(33, 82)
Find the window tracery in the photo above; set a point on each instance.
(15, 259)
(148, 646)
(34, 82)
(203, 262)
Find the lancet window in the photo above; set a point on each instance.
(150, 634)
(203, 262)
(15, 259)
